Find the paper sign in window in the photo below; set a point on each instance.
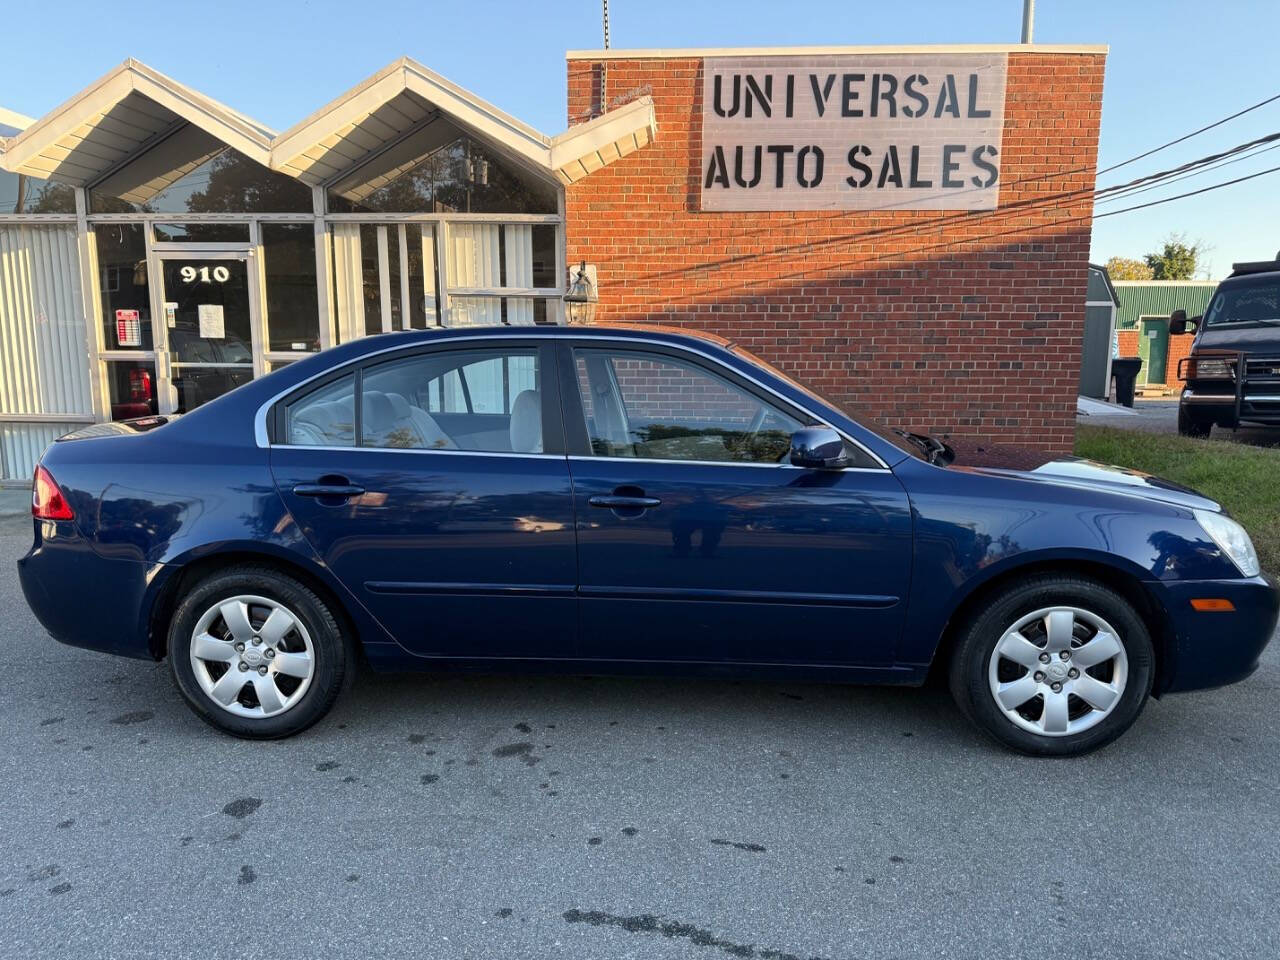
(212, 326)
(128, 328)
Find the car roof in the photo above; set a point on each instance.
(1253, 269)
(623, 331)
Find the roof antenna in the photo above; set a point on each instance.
(604, 64)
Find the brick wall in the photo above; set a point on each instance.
(960, 324)
(1179, 347)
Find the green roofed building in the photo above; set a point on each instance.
(1143, 315)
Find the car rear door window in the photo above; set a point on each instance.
(326, 417)
(479, 400)
(659, 407)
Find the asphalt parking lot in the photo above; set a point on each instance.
(572, 817)
(1161, 416)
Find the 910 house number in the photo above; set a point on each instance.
(205, 274)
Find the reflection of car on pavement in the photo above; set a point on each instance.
(1233, 372)
(621, 500)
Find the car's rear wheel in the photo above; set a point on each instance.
(1192, 426)
(256, 653)
(1054, 666)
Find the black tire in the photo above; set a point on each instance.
(969, 677)
(332, 650)
(1190, 426)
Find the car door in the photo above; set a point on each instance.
(442, 498)
(697, 539)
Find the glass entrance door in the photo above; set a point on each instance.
(209, 315)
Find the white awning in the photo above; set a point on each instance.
(585, 148)
(118, 117)
(134, 108)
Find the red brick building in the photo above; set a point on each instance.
(963, 322)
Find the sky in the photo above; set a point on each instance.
(1173, 66)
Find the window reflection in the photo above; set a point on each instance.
(293, 311)
(123, 286)
(194, 172)
(457, 177)
(23, 194)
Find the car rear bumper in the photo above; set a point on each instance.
(1213, 649)
(84, 599)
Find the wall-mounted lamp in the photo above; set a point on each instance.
(580, 299)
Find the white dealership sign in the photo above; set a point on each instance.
(853, 132)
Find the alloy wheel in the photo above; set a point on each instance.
(1058, 671)
(252, 656)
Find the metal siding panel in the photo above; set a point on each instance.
(43, 357)
(22, 445)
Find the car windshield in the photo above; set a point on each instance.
(898, 438)
(1254, 303)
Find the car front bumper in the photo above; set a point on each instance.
(84, 599)
(1213, 649)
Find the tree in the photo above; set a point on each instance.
(1127, 268)
(1177, 259)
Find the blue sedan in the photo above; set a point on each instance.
(616, 500)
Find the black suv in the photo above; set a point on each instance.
(1233, 373)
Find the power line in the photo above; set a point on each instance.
(1186, 176)
(1190, 193)
(1188, 136)
(1190, 164)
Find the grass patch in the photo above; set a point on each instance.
(1244, 479)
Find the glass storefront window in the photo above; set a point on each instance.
(544, 269)
(371, 273)
(193, 175)
(131, 385)
(402, 254)
(197, 385)
(293, 310)
(123, 285)
(202, 232)
(494, 311)
(459, 177)
(424, 305)
(22, 194)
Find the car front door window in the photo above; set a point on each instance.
(653, 406)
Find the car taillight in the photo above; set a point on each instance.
(47, 501)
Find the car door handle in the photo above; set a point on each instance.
(624, 503)
(327, 490)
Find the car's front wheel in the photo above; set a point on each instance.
(1192, 426)
(256, 653)
(1054, 666)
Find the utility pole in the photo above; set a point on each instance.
(1028, 19)
(604, 64)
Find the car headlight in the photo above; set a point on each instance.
(1210, 368)
(1232, 538)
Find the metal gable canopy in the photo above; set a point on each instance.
(381, 113)
(118, 117)
(134, 108)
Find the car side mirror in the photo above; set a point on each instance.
(1179, 324)
(818, 448)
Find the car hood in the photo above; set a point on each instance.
(1261, 339)
(1089, 474)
